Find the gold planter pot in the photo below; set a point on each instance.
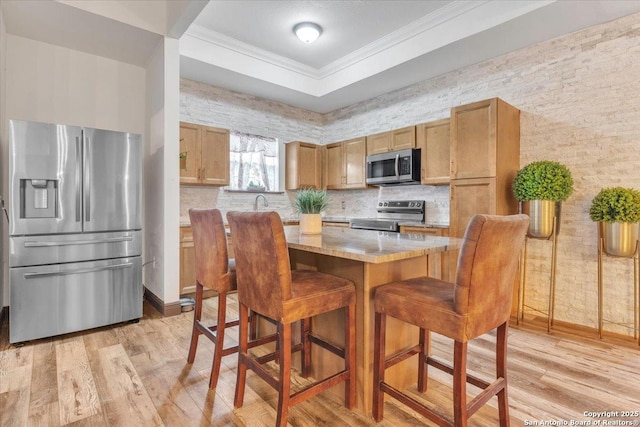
(619, 238)
(541, 214)
(310, 224)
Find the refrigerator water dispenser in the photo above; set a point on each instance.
(38, 198)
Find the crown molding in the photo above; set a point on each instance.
(454, 22)
(213, 37)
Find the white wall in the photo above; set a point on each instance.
(162, 211)
(54, 84)
(4, 243)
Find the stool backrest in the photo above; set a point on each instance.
(262, 261)
(487, 265)
(210, 247)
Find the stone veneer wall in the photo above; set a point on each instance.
(580, 101)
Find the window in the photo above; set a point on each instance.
(254, 162)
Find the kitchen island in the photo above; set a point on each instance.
(369, 259)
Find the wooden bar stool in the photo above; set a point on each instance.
(214, 270)
(478, 302)
(267, 285)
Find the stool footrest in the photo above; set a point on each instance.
(319, 387)
(491, 390)
(326, 345)
(415, 405)
(449, 370)
(401, 356)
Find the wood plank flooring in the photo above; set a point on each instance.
(136, 375)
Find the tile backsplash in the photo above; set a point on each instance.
(346, 203)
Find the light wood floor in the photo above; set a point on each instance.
(137, 375)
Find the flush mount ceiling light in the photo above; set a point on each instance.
(307, 32)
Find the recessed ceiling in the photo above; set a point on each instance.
(367, 48)
(347, 25)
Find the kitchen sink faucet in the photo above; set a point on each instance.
(255, 202)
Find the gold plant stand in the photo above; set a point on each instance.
(636, 288)
(552, 280)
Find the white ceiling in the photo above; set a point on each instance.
(368, 47)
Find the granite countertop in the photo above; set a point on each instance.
(184, 222)
(367, 245)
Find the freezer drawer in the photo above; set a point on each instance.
(57, 299)
(55, 249)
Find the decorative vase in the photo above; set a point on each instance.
(183, 163)
(620, 238)
(310, 224)
(541, 214)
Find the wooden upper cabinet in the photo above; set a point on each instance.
(403, 138)
(207, 151)
(485, 139)
(215, 156)
(398, 139)
(334, 166)
(354, 163)
(434, 143)
(190, 144)
(345, 164)
(303, 165)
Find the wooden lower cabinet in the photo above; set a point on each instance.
(188, 264)
(438, 263)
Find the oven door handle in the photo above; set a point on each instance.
(397, 164)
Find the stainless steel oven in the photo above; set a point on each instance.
(390, 214)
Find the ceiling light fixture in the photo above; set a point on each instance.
(307, 32)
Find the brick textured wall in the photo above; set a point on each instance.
(580, 102)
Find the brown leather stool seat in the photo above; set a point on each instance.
(268, 286)
(214, 270)
(478, 302)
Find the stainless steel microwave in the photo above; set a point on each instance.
(394, 168)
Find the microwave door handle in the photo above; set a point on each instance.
(397, 164)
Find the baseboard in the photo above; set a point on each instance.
(170, 309)
(539, 323)
(4, 315)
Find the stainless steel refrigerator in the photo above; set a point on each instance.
(75, 229)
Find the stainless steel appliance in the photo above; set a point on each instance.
(75, 228)
(390, 214)
(394, 168)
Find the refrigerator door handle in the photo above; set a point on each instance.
(36, 244)
(77, 271)
(78, 179)
(87, 180)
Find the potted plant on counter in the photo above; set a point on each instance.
(310, 203)
(617, 210)
(541, 186)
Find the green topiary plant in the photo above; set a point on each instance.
(543, 180)
(616, 204)
(310, 201)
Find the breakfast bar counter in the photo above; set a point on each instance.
(369, 259)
